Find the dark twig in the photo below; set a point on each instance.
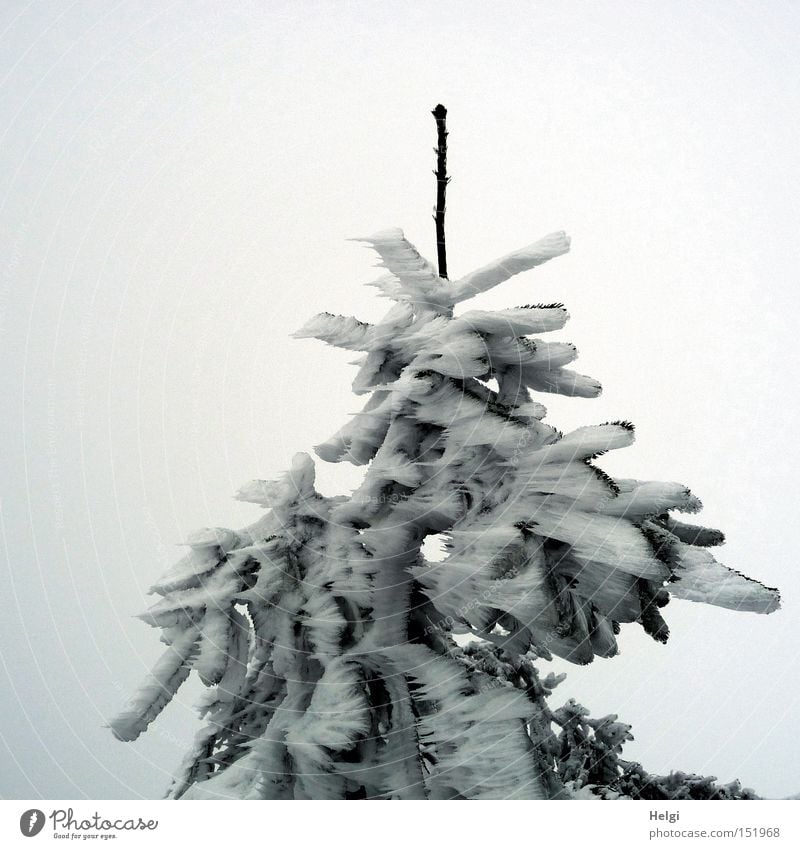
(440, 114)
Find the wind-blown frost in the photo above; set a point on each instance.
(325, 638)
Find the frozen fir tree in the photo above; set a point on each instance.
(328, 642)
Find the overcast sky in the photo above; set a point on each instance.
(177, 185)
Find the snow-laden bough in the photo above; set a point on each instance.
(326, 639)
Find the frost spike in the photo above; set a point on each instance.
(548, 247)
(519, 321)
(699, 577)
(338, 330)
(157, 689)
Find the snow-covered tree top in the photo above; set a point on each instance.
(325, 636)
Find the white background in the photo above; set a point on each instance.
(177, 184)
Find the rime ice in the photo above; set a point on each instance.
(325, 638)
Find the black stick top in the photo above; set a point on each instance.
(441, 184)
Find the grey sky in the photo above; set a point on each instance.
(177, 185)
